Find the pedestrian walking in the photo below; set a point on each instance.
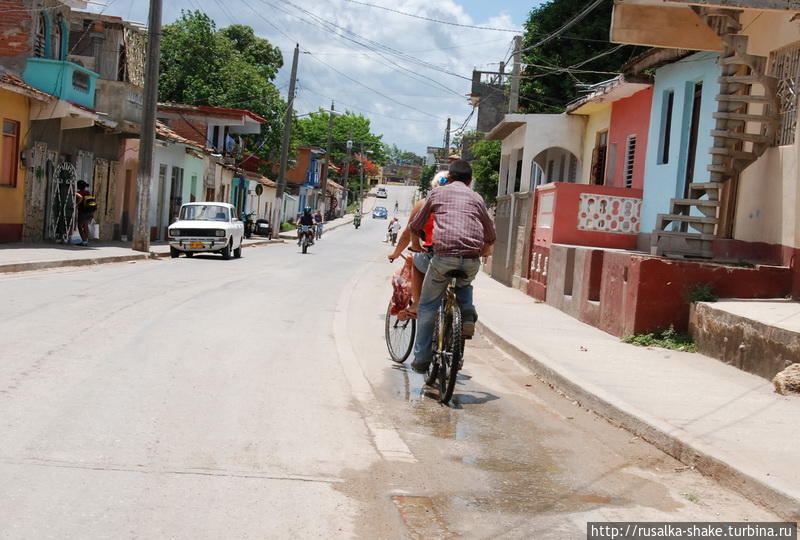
(85, 205)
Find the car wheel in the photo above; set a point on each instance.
(226, 251)
(237, 253)
(190, 253)
(173, 252)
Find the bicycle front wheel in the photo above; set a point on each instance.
(400, 336)
(451, 355)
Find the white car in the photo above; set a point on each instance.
(207, 227)
(381, 193)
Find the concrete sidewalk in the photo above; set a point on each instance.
(28, 257)
(729, 424)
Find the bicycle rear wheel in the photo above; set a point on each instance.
(451, 355)
(399, 336)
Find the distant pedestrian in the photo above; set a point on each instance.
(318, 221)
(85, 205)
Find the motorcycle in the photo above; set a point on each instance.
(357, 221)
(248, 224)
(305, 237)
(262, 228)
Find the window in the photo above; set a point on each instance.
(40, 37)
(518, 177)
(630, 158)
(175, 193)
(666, 126)
(598, 170)
(57, 38)
(10, 155)
(573, 169)
(784, 65)
(80, 81)
(193, 189)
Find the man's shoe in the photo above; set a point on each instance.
(467, 329)
(420, 367)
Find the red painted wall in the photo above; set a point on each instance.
(630, 116)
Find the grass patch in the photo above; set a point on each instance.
(287, 226)
(744, 264)
(666, 339)
(702, 292)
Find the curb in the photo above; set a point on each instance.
(65, 263)
(45, 265)
(654, 431)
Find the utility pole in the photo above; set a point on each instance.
(327, 160)
(347, 167)
(141, 229)
(287, 132)
(361, 182)
(447, 142)
(513, 99)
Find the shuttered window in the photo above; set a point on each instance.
(630, 158)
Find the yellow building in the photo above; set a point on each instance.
(15, 105)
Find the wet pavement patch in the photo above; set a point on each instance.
(421, 517)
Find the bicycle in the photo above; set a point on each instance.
(448, 342)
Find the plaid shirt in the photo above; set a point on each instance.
(461, 224)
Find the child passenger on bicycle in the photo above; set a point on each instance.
(463, 232)
(422, 251)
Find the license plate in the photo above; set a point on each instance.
(196, 245)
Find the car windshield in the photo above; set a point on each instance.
(205, 212)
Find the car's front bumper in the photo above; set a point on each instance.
(198, 244)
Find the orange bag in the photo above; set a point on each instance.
(401, 287)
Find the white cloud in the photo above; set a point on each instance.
(408, 87)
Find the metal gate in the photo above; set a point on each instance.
(61, 215)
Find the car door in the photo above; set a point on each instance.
(238, 229)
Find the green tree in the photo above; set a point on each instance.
(232, 67)
(545, 90)
(313, 131)
(486, 169)
(425, 179)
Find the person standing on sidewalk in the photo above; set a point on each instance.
(464, 232)
(85, 205)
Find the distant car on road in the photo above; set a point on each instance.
(380, 212)
(207, 227)
(381, 193)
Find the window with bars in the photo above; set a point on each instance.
(784, 65)
(630, 158)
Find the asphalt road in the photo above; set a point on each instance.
(253, 398)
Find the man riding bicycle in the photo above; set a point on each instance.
(463, 232)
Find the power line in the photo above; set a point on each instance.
(434, 20)
(372, 89)
(577, 18)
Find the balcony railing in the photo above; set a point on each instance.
(63, 79)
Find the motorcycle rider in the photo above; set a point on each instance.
(306, 219)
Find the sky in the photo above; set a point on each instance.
(407, 100)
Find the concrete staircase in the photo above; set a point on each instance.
(746, 120)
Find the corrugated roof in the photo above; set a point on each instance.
(211, 111)
(163, 132)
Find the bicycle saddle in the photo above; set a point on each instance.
(456, 274)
